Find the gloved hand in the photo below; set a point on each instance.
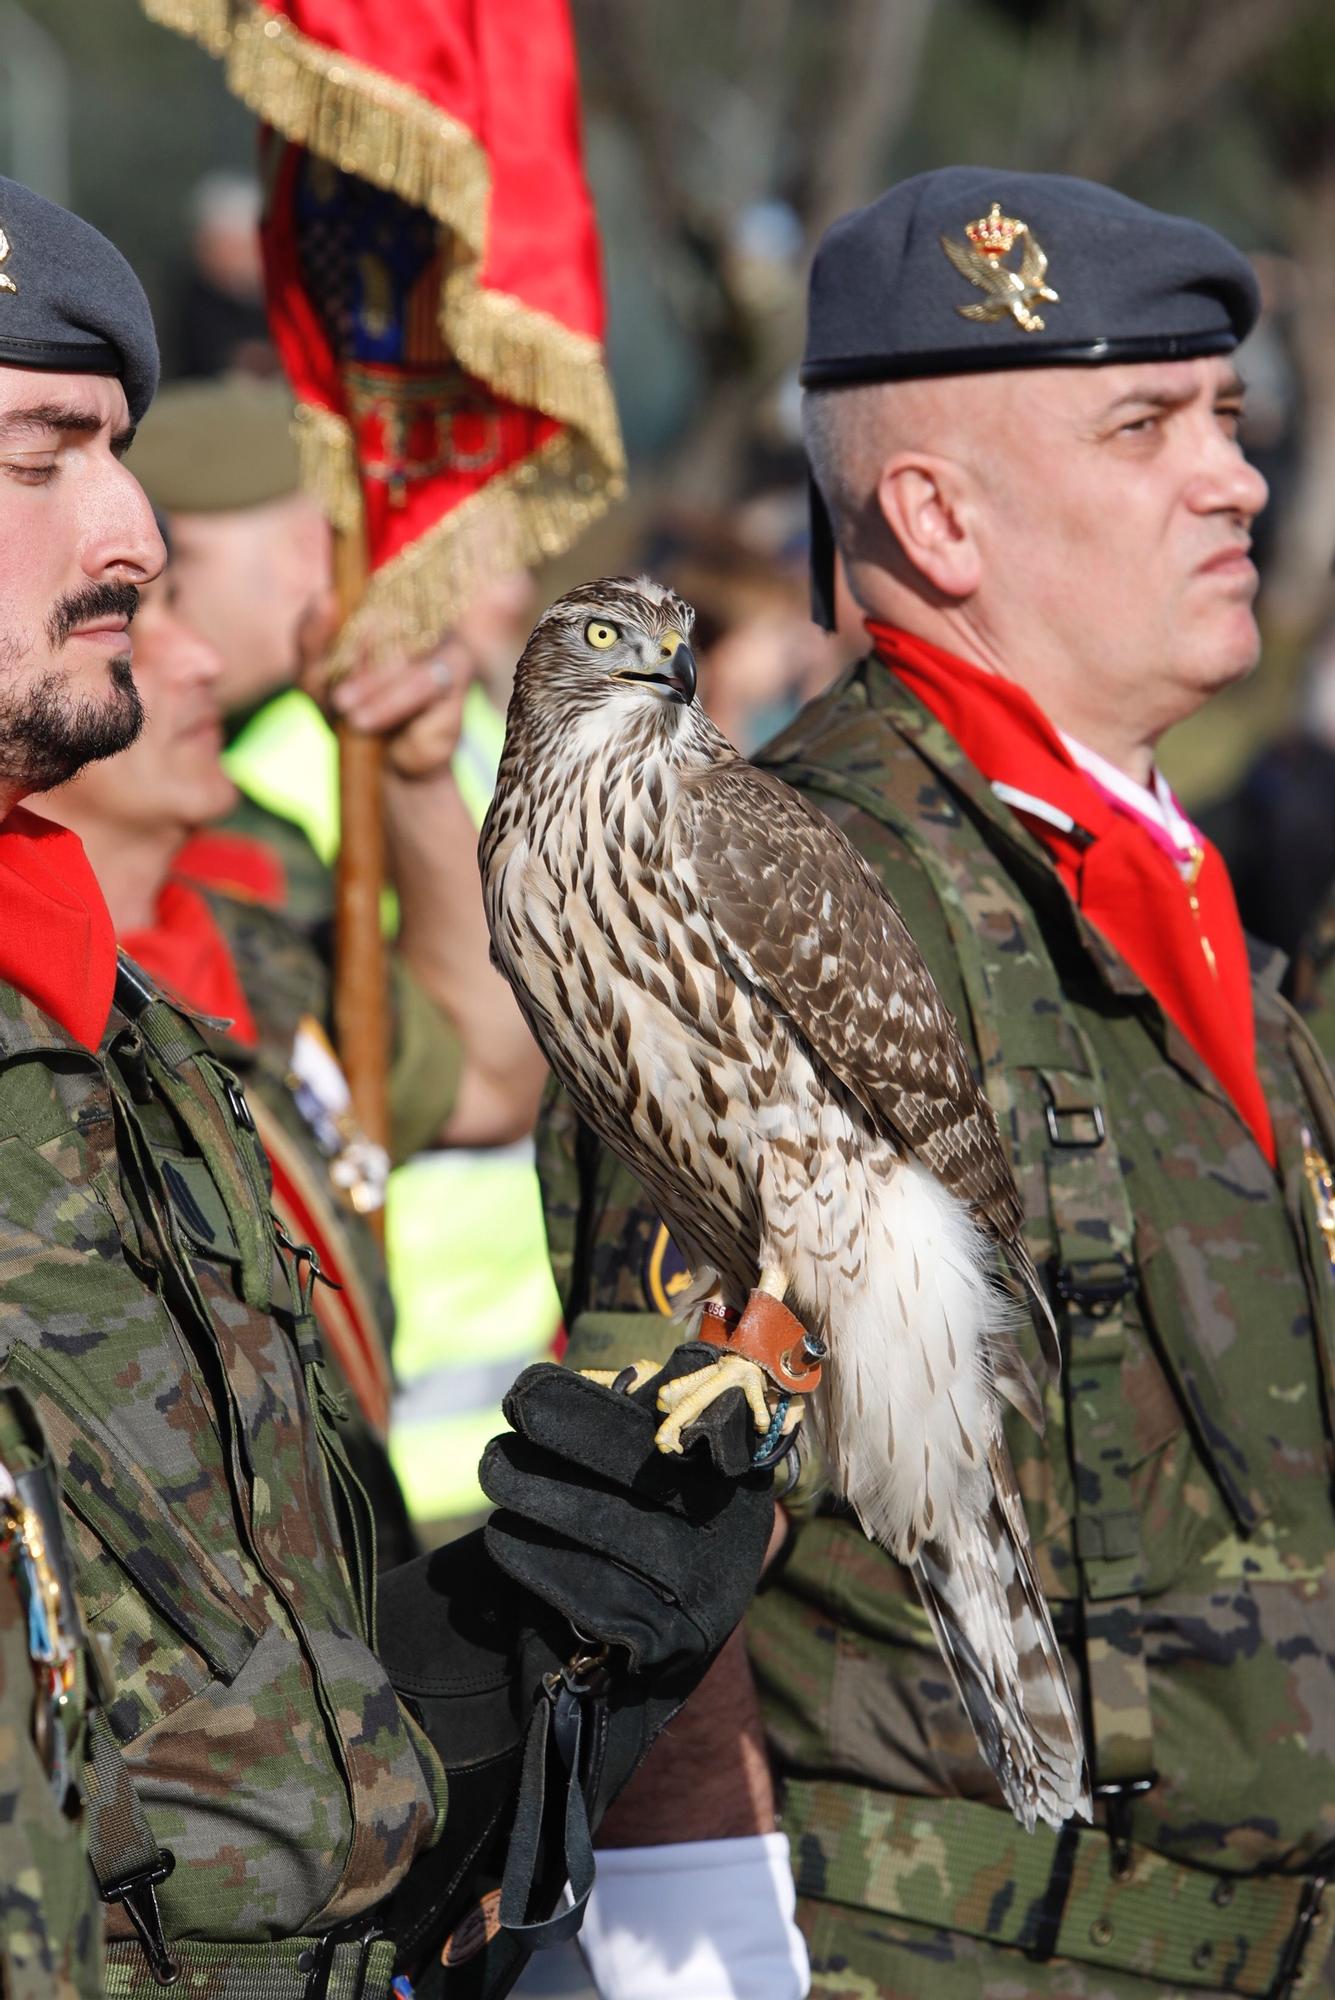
(545, 1653)
(657, 1554)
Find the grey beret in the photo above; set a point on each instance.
(69, 302)
(217, 446)
(970, 268)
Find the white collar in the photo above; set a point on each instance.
(1154, 801)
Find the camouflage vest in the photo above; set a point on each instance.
(223, 1551)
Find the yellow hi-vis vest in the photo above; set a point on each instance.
(473, 1293)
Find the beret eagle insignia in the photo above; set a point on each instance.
(991, 239)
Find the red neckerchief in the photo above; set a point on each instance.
(57, 942)
(237, 864)
(187, 953)
(1183, 940)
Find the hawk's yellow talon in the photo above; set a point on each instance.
(685, 1399)
(607, 1378)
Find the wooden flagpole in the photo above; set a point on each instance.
(361, 965)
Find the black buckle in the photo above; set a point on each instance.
(318, 1965)
(1055, 1113)
(1117, 1799)
(236, 1098)
(1076, 1285)
(1295, 1945)
(137, 1896)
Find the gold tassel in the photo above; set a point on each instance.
(531, 512)
(208, 22)
(533, 360)
(327, 458)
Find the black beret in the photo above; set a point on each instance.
(69, 302)
(970, 268)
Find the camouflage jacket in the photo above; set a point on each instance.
(287, 981)
(308, 882)
(223, 1551)
(50, 1930)
(1180, 1503)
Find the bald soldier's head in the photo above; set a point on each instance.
(1041, 473)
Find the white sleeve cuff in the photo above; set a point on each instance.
(699, 1920)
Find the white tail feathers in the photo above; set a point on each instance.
(909, 1411)
(994, 1629)
(909, 1424)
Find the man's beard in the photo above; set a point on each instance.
(47, 736)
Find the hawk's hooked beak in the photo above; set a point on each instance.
(675, 672)
(681, 675)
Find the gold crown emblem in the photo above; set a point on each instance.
(994, 234)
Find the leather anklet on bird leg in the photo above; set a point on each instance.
(766, 1353)
(771, 1336)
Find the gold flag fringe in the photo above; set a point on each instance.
(327, 462)
(391, 136)
(208, 22)
(524, 516)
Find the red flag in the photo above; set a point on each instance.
(433, 277)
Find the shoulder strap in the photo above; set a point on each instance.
(126, 1860)
(212, 1106)
(1075, 1193)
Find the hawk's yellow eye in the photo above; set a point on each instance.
(600, 634)
(668, 645)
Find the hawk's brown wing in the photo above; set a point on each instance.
(798, 910)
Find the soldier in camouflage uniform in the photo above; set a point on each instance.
(262, 1789)
(50, 1931)
(1180, 1502)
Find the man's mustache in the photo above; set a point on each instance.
(81, 607)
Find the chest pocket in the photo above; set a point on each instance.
(165, 1612)
(198, 1207)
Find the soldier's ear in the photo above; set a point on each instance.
(925, 502)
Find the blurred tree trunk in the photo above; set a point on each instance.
(1134, 72)
(876, 67)
(1299, 588)
(863, 83)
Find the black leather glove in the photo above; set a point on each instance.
(545, 1653)
(652, 1553)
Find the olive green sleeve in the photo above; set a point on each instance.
(424, 1068)
(615, 1339)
